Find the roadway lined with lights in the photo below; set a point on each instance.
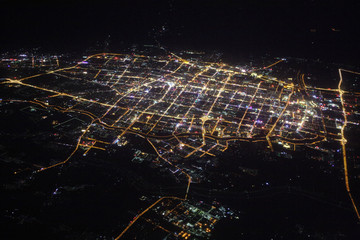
(150, 136)
(344, 141)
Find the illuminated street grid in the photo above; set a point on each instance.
(198, 107)
(192, 220)
(178, 219)
(188, 109)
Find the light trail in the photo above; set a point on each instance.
(218, 95)
(273, 64)
(257, 115)
(69, 157)
(344, 141)
(122, 74)
(47, 73)
(97, 74)
(252, 99)
(186, 174)
(277, 120)
(89, 147)
(56, 92)
(142, 213)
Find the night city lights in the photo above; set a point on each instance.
(180, 120)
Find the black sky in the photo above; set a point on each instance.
(278, 27)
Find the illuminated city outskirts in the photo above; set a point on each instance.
(185, 110)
